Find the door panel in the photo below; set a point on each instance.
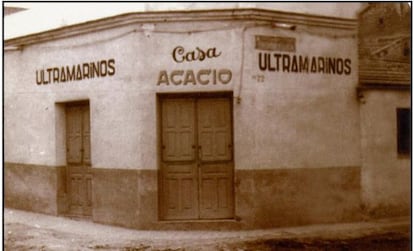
(179, 171)
(74, 135)
(216, 185)
(78, 159)
(180, 196)
(214, 128)
(197, 167)
(216, 168)
(86, 136)
(87, 203)
(178, 130)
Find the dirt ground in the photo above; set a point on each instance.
(24, 237)
(383, 242)
(30, 231)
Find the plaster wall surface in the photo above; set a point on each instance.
(385, 174)
(123, 106)
(292, 120)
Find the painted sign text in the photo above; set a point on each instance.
(292, 63)
(179, 54)
(77, 72)
(190, 77)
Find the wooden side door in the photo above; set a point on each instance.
(78, 159)
(215, 158)
(179, 188)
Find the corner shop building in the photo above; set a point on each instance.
(228, 118)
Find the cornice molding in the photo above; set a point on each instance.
(257, 15)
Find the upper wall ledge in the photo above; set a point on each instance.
(184, 16)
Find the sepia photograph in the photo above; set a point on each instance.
(223, 126)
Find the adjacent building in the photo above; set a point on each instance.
(385, 96)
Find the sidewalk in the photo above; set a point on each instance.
(32, 231)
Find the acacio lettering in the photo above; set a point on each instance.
(180, 55)
(304, 64)
(200, 77)
(77, 72)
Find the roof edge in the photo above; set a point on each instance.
(252, 14)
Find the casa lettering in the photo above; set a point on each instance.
(179, 54)
(77, 72)
(191, 77)
(289, 63)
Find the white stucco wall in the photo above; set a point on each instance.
(290, 120)
(295, 120)
(123, 106)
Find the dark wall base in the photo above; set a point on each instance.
(115, 197)
(263, 198)
(289, 197)
(31, 187)
(389, 210)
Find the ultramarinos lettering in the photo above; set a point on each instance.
(77, 72)
(304, 64)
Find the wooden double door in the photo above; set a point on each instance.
(78, 158)
(196, 158)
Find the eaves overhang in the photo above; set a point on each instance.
(257, 15)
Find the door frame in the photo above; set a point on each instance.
(194, 95)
